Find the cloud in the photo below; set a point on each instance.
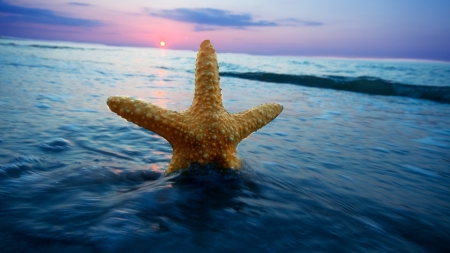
(201, 28)
(297, 22)
(79, 4)
(207, 17)
(42, 16)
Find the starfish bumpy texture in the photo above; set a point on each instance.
(206, 132)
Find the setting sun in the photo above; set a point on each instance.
(162, 43)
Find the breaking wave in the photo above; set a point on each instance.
(363, 84)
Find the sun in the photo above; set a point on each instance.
(162, 43)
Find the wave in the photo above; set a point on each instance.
(40, 46)
(363, 84)
(55, 47)
(12, 44)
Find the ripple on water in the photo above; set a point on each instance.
(420, 171)
(331, 165)
(270, 165)
(441, 131)
(433, 151)
(42, 105)
(130, 152)
(58, 144)
(84, 110)
(17, 166)
(433, 142)
(380, 149)
(72, 128)
(52, 97)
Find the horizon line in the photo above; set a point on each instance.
(362, 58)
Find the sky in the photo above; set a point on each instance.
(412, 29)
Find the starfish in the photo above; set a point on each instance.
(206, 132)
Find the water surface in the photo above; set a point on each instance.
(337, 171)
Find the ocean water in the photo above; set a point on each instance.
(358, 161)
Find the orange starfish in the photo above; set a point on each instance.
(206, 132)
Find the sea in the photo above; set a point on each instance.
(358, 161)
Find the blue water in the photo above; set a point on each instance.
(337, 171)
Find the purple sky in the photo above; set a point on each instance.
(344, 28)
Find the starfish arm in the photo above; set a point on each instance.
(255, 118)
(208, 96)
(161, 121)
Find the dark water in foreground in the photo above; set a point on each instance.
(335, 172)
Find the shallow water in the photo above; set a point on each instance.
(335, 172)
